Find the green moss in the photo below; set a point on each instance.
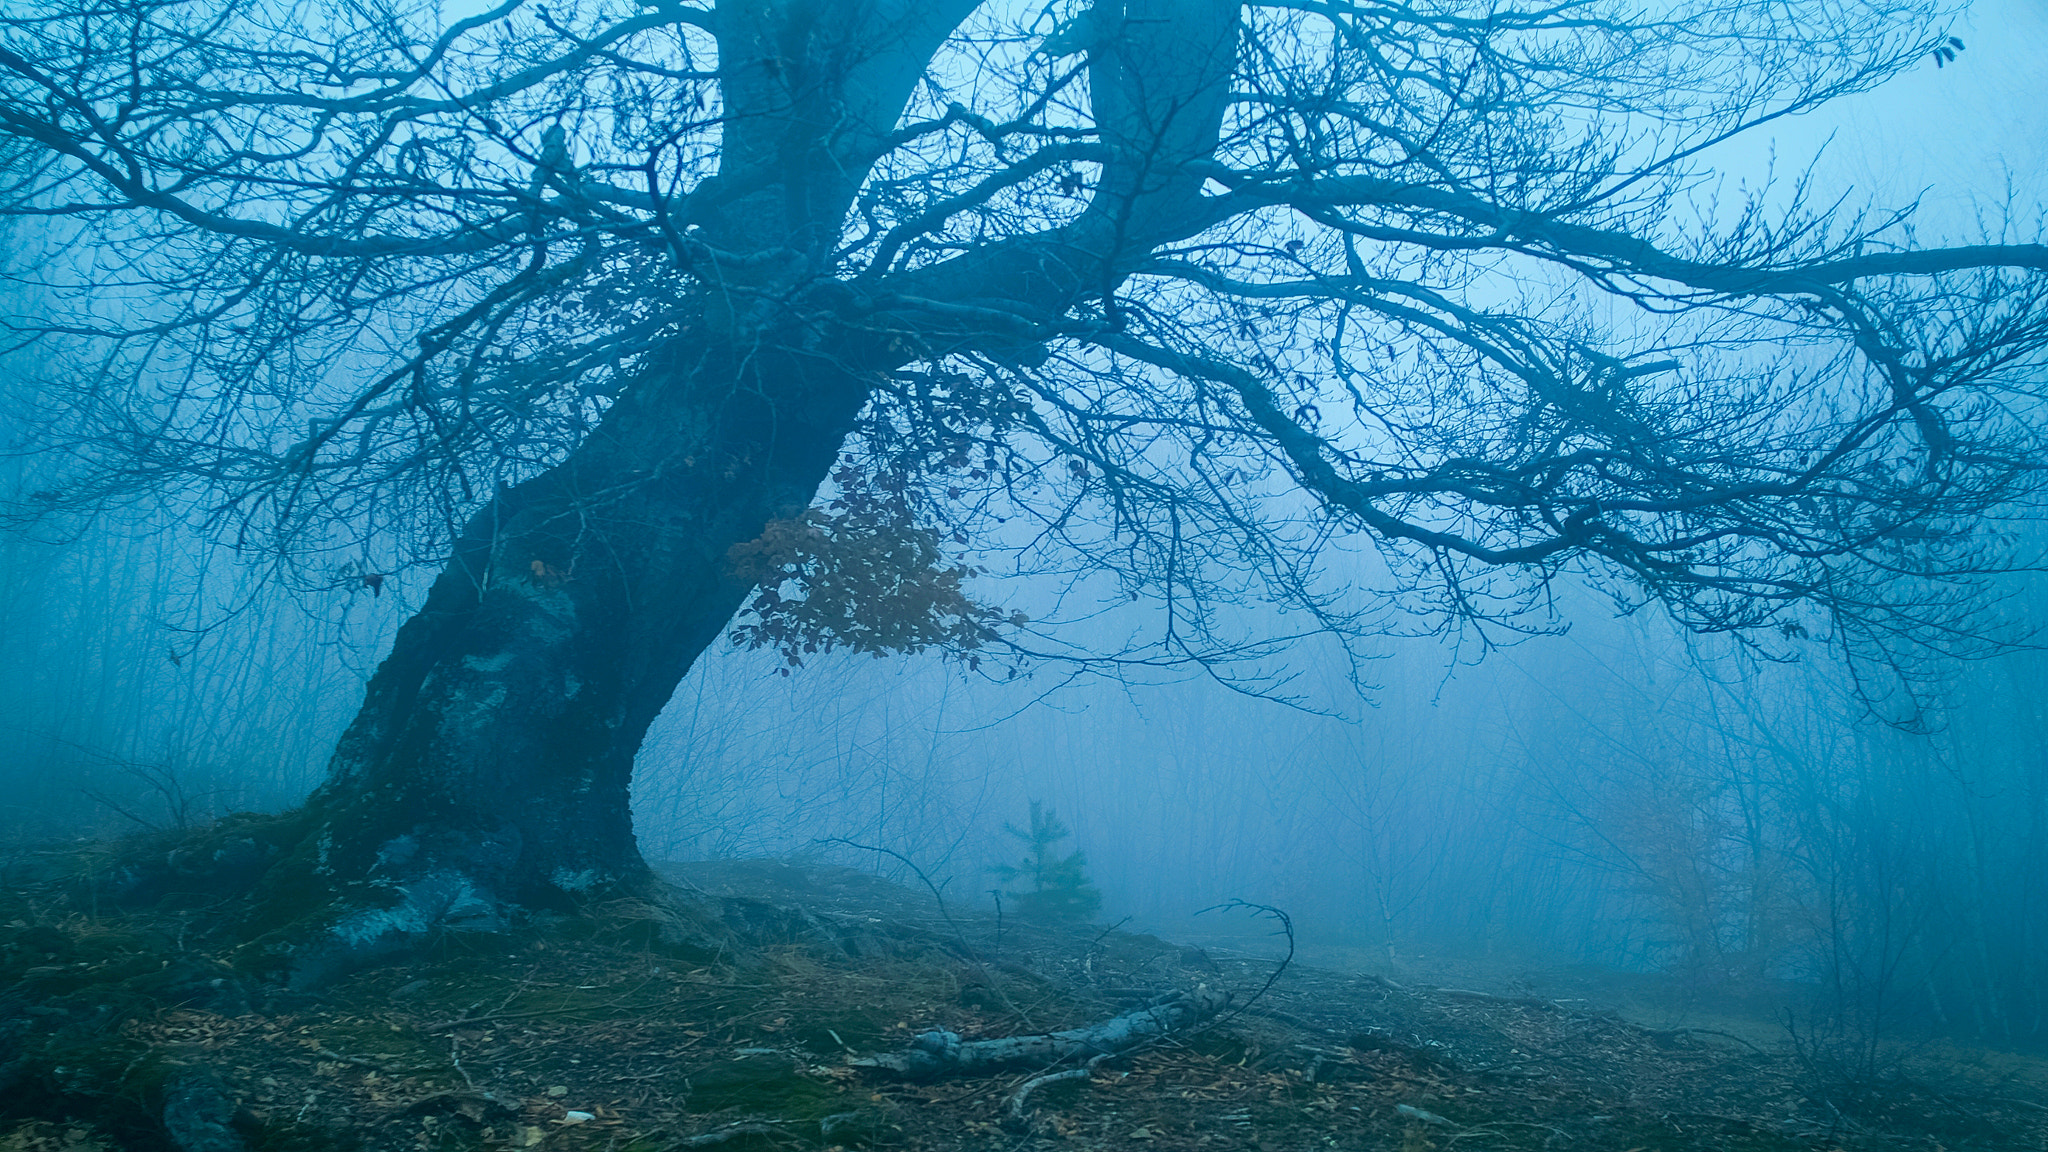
(767, 1086)
(831, 1033)
(85, 979)
(78, 972)
(283, 1136)
(84, 1064)
(294, 893)
(112, 1084)
(864, 1126)
(55, 959)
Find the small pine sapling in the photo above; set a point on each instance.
(1059, 887)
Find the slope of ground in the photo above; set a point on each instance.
(131, 1031)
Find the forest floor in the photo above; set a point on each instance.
(591, 1035)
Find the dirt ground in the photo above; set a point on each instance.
(592, 1034)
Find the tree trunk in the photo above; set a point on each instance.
(488, 769)
(489, 766)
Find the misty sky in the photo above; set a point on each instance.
(1181, 791)
(1169, 755)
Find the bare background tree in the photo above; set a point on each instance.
(618, 312)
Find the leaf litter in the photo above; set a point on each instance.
(591, 1034)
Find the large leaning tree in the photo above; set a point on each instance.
(639, 315)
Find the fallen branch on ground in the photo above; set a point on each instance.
(966, 949)
(941, 1053)
(1273, 977)
(464, 1021)
(1021, 1098)
(1411, 1112)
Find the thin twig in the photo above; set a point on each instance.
(1106, 931)
(1286, 927)
(1705, 1032)
(729, 1132)
(972, 956)
(455, 1058)
(461, 1021)
(1022, 1096)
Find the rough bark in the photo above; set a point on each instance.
(489, 765)
(488, 768)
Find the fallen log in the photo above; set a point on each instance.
(941, 1053)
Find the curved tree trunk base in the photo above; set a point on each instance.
(359, 927)
(260, 883)
(259, 878)
(257, 883)
(394, 925)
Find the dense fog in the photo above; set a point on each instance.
(1614, 796)
(1610, 792)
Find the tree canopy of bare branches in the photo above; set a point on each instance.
(1194, 300)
